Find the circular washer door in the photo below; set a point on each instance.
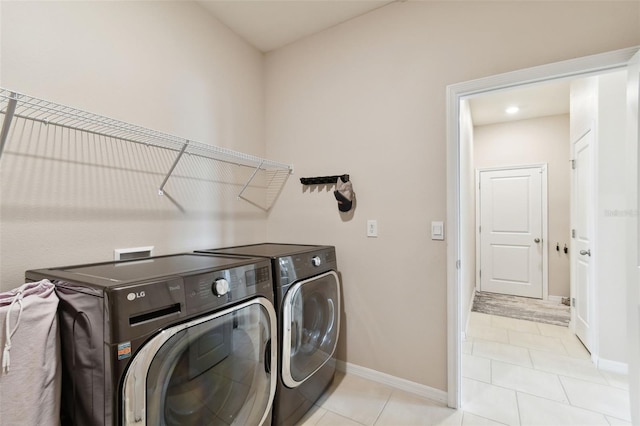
(311, 320)
(215, 370)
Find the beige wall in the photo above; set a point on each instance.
(535, 141)
(368, 97)
(67, 198)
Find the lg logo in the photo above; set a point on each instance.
(134, 296)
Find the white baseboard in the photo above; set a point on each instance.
(613, 366)
(392, 381)
(556, 299)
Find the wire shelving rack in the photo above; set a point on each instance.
(18, 105)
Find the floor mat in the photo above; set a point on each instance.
(525, 308)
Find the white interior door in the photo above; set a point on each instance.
(582, 232)
(633, 245)
(511, 231)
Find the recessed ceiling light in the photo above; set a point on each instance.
(512, 110)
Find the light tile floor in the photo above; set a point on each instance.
(514, 373)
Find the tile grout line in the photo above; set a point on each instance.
(525, 393)
(584, 408)
(605, 415)
(565, 391)
(340, 415)
(323, 414)
(533, 366)
(383, 408)
(491, 371)
(518, 408)
(496, 386)
(563, 345)
(610, 378)
(568, 404)
(482, 417)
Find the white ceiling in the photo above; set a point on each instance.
(539, 100)
(271, 24)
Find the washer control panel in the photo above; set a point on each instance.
(214, 289)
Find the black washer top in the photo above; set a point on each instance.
(109, 274)
(271, 250)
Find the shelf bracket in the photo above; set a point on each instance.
(173, 166)
(250, 179)
(8, 117)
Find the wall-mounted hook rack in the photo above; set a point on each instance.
(322, 180)
(17, 105)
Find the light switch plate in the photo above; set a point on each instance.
(372, 228)
(437, 230)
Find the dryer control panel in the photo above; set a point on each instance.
(304, 265)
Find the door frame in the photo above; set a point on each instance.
(633, 246)
(545, 221)
(573, 68)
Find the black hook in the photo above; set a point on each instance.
(322, 180)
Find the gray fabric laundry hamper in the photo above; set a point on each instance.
(30, 374)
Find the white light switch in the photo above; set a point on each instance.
(437, 230)
(372, 228)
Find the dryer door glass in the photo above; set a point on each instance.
(214, 371)
(311, 323)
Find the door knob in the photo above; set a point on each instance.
(537, 240)
(587, 252)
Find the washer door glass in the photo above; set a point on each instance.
(214, 370)
(311, 312)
